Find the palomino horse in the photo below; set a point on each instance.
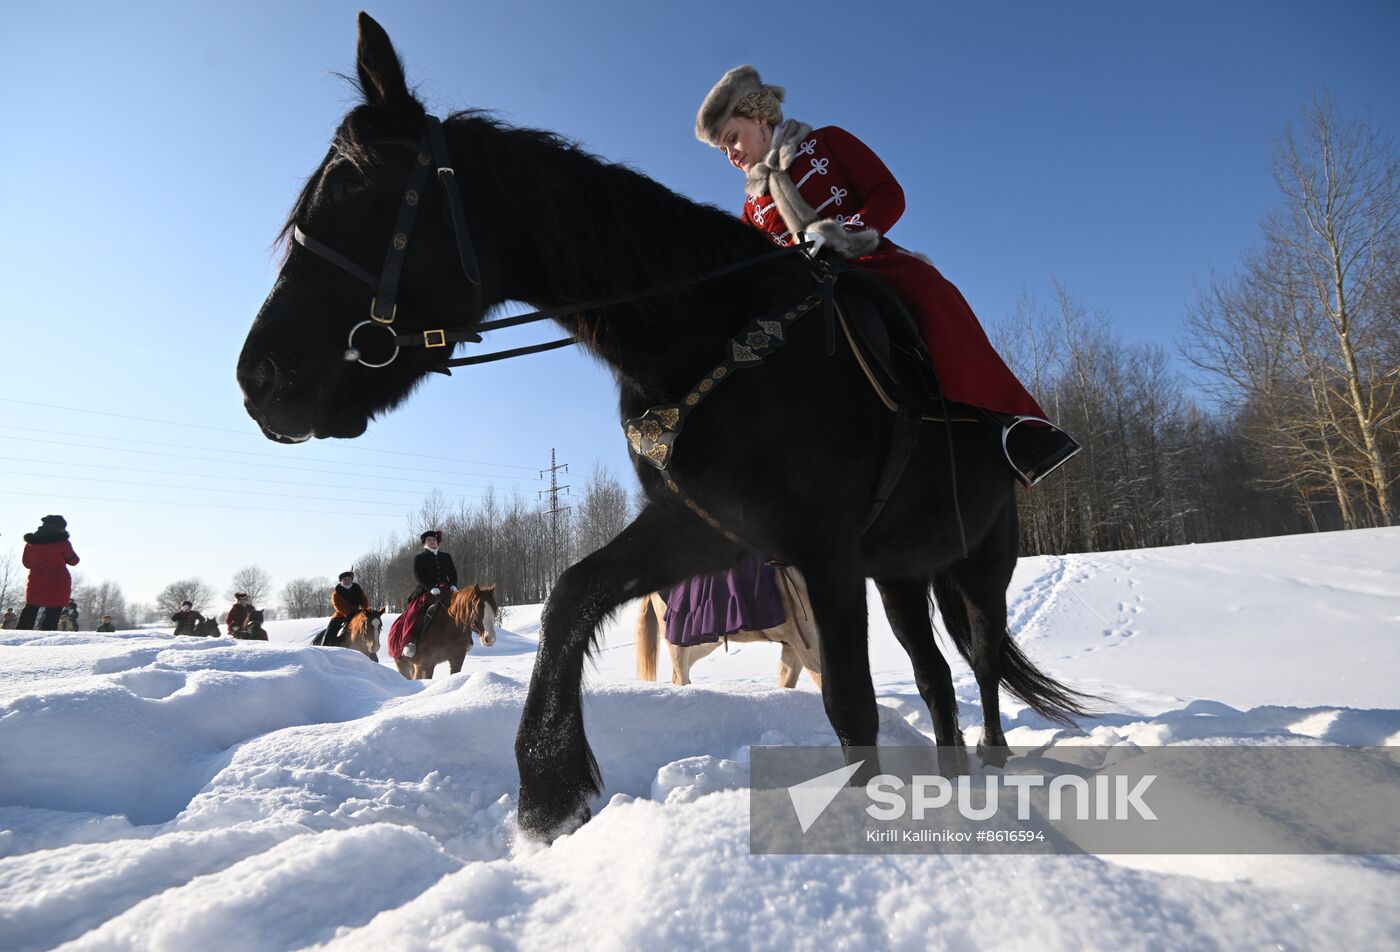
(361, 632)
(253, 631)
(783, 458)
(797, 634)
(449, 636)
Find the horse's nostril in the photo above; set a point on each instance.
(260, 382)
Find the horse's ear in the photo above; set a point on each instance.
(381, 73)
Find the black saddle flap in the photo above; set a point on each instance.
(888, 341)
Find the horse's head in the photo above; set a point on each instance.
(474, 607)
(321, 359)
(366, 626)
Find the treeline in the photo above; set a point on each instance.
(509, 541)
(1301, 349)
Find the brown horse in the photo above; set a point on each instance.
(253, 631)
(797, 634)
(362, 631)
(449, 636)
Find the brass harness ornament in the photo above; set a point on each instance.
(653, 435)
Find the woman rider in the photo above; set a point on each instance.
(825, 182)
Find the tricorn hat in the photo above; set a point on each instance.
(719, 104)
(431, 533)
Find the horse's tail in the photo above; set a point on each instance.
(647, 637)
(1046, 696)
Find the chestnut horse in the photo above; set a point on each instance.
(361, 632)
(797, 634)
(448, 636)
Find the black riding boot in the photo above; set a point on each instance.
(1035, 448)
(27, 615)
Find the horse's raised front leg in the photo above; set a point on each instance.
(558, 775)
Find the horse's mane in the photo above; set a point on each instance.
(359, 622)
(460, 607)
(612, 205)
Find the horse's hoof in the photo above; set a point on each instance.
(993, 756)
(546, 822)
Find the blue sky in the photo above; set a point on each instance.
(153, 149)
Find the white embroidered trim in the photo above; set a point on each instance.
(818, 168)
(837, 195)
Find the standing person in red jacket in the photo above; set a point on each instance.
(825, 182)
(47, 555)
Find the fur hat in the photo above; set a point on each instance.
(431, 533)
(240, 594)
(51, 529)
(187, 602)
(719, 105)
(344, 575)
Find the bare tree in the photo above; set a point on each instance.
(252, 580)
(196, 591)
(604, 511)
(307, 597)
(1337, 234)
(104, 598)
(11, 582)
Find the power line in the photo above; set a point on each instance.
(260, 479)
(195, 505)
(185, 457)
(220, 449)
(221, 429)
(208, 489)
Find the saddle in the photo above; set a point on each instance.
(886, 342)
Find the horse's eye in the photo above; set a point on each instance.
(346, 188)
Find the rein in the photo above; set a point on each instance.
(383, 308)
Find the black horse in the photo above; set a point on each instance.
(787, 456)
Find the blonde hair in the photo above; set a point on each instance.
(764, 103)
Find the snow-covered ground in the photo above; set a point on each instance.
(206, 794)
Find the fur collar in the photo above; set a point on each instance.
(787, 138)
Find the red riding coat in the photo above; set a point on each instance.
(841, 178)
(50, 585)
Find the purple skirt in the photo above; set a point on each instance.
(701, 610)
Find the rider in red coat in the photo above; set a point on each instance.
(47, 555)
(825, 182)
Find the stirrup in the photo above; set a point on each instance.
(1039, 450)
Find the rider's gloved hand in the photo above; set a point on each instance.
(435, 591)
(454, 588)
